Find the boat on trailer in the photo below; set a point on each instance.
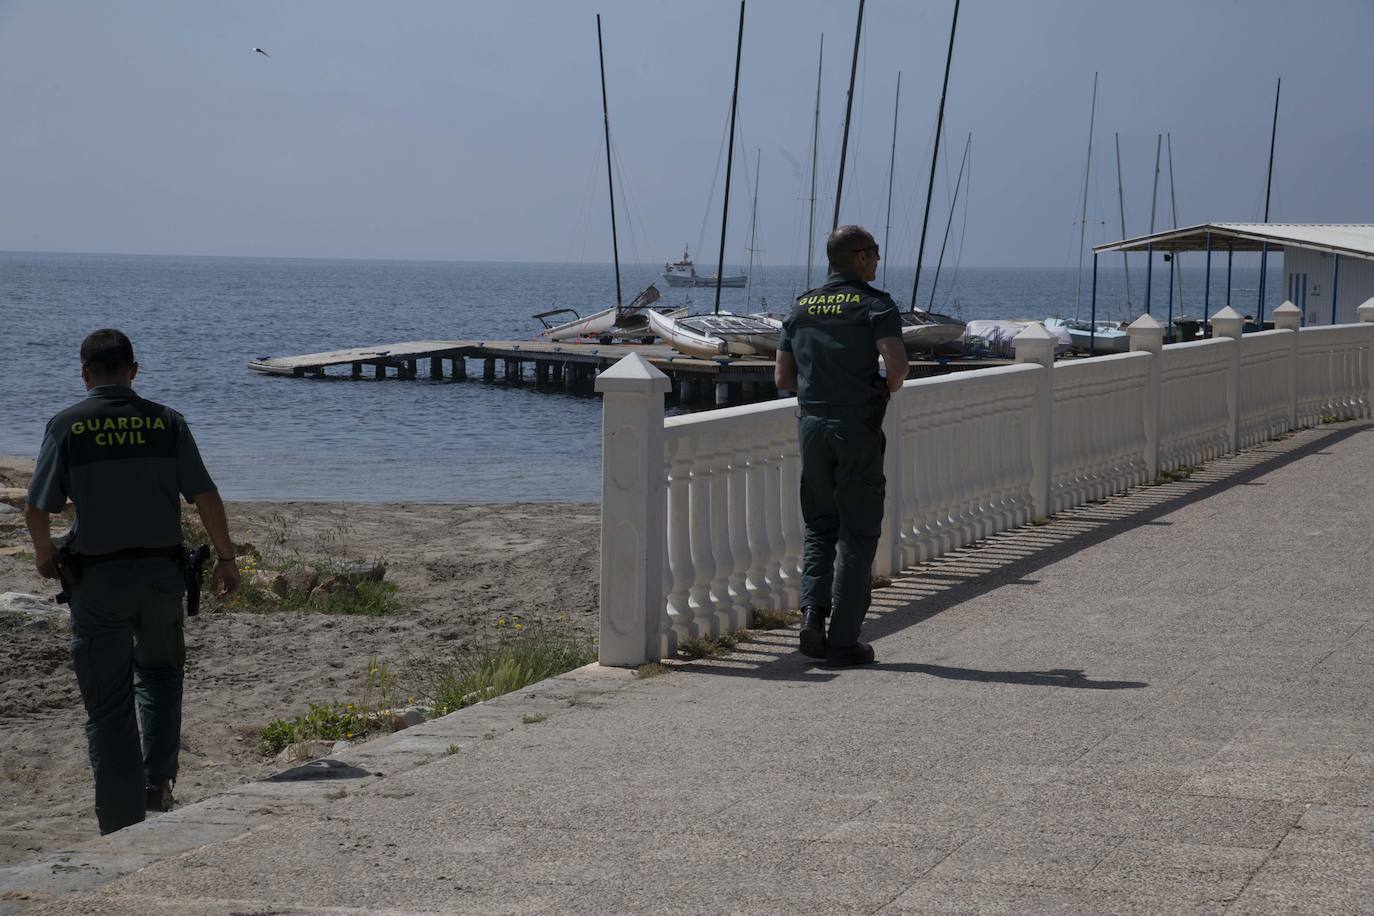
(922, 330)
(1103, 337)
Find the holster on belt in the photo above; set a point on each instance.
(68, 570)
(193, 568)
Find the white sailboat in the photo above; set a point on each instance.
(628, 321)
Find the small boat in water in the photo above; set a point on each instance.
(721, 334)
(684, 273)
(1103, 337)
(615, 322)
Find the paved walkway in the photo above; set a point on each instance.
(1159, 703)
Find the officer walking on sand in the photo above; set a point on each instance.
(828, 353)
(123, 461)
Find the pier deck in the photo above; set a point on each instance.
(570, 365)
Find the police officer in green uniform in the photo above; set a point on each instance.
(123, 461)
(828, 353)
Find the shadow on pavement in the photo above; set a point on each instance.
(1011, 557)
(1055, 677)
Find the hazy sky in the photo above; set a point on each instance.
(472, 131)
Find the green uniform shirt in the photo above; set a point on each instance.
(833, 334)
(123, 461)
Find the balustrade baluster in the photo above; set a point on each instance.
(773, 499)
(704, 564)
(739, 537)
(756, 480)
(679, 537)
(723, 559)
(792, 530)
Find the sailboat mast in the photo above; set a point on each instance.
(610, 181)
(848, 108)
(815, 140)
(1121, 199)
(1173, 209)
(954, 202)
(891, 171)
(1154, 189)
(729, 159)
(1268, 185)
(1083, 217)
(753, 231)
(935, 157)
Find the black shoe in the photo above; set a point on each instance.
(812, 639)
(861, 653)
(160, 794)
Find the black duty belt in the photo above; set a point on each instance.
(130, 553)
(837, 412)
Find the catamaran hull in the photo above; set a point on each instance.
(718, 335)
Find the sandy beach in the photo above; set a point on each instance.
(459, 571)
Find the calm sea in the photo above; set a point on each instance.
(195, 322)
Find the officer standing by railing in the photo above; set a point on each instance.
(828, 353)
(123, 461)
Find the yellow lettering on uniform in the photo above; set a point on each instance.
(140, 439)
(158, 424)
(121, 438)
(78, 428)
(136, 423)
(100, 439)
(123, 422)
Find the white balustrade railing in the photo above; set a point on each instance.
(1266, 364)
(1194, 417)
(701, 521)
(1099, 428)
(1333, 373)
(965, 441)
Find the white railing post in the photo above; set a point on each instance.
(1228, 323)
(633, 511)
(888, 559)
(1036, 345)
(1288, 317)
(1366, 316)
(1147, 335)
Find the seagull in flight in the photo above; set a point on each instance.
(262, 52)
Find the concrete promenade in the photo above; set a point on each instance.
(1160, 703)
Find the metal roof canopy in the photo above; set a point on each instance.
(1346, 239)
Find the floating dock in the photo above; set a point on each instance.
(572, 366)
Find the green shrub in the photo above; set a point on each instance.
(535, 654)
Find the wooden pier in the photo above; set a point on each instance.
(572, 366)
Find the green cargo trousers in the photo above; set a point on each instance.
(842, 490)
(128, 646)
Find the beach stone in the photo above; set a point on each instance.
(409, 716)
(334, 585)
(28, 604)
(7, 509)
(247, 549)
(274, 582)
(359, 571)
(13, 496)
(302, 751)
(339, 747)
(301, 579)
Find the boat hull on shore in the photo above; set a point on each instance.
(720, 334)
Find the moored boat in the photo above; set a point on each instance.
(684, 273)
(721, 334)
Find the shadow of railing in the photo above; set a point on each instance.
(921, 592)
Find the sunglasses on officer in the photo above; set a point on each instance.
(873, 248)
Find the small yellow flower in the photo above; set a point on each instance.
(500, 621)
(520, 626)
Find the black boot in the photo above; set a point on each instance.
(812, 639)
(861, 653)
(160, 794)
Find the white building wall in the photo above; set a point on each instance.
(1308, 279)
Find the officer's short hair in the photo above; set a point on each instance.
(843, 243)
(107, 352)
